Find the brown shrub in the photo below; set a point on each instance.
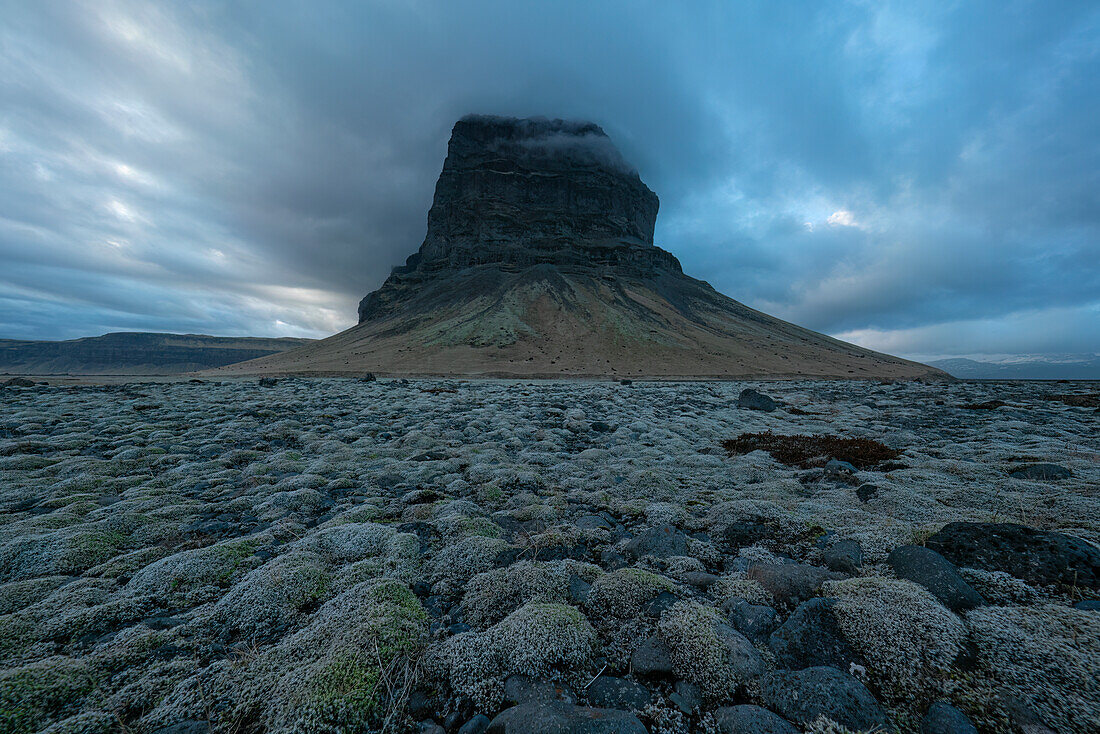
(1078, 400)
(987, 405)
(811, 451)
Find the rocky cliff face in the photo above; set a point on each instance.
(518, 193)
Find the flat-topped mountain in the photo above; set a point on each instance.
(539, 261)
(135, 353)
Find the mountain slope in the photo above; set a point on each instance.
(539, 261)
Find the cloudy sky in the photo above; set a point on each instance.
(922, 178)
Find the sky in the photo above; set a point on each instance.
(921, 178)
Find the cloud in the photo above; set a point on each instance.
(842, 218)
(873, 170)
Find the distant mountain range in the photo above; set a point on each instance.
(135, 353)
(1068, 367)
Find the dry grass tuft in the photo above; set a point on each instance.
(812, 451)
(987, 405)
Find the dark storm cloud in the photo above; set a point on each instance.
(920, 177)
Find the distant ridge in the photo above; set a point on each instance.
(135, 353)
(539, 262)
(1065, 367)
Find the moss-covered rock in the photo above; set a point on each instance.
(624, 593)
(493, 595)
(908, 638)
(456, 564)
(1046, 655)
(342, 672)
(707, 652)
(544, 639)
(171, 579)
(272, 597)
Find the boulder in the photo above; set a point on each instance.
(1036, 556)
(804, 695)
(661, 542)
(743, 659)
(748, 719)
(651, 658)
(563, 718)
(688, 697)
(866, 492)
(943, 718)
(931, 570)
(476, 725)
(754, 621)
(618, 693)
(791, 583)
(844, 556)
(811, 637)
(661, 604)
(521, 689)
(753, 400)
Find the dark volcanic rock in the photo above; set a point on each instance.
(521, 689)
(688, 697)
(807, 694)
(561, 718)
(753, 400)
(661, 542)
(748, 719)
(845, 556)
(943, 718)
(476, 725)
(931, 570)
(1036, 556)
(651, 658)
(866, 492)
(1044, 472)
(791, 583)
(754, 621)
(811, 637)
(618, 693)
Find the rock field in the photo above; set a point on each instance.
(343, 555)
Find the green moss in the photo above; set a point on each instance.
(480, 526)
(32, 695)
(99, 546)
(349, 685)
(16, 634)
(623, 593)
(542, 639)
(342, 690)
(490, 493)
(362, 513)
(233, 556)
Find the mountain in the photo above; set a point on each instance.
(1066, 367)
(135, 353)
(539, 262)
